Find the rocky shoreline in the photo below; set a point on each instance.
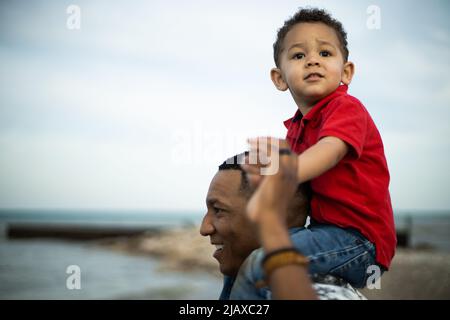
(179, 249)
(414, 274)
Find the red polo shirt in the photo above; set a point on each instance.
(353, 194)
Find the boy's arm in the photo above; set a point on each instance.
(313, 162)
(321, 157)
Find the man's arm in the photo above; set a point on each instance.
(290, 281)
(267, 208)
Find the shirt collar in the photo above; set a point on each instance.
(227, 285)
(341, 90)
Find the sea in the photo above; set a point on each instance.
(44, 268)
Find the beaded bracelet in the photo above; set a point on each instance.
(282, 257)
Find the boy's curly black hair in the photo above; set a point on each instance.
(310, 15)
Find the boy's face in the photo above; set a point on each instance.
(311, 63)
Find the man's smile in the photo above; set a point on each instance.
(219, 249)
(218, 253)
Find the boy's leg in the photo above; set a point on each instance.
(343, 253)
(331, 250)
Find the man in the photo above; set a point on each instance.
(236, 237)
(226, 223)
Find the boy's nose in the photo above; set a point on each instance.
(312, 60)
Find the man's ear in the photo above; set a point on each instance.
(348, 72)
(277, 79)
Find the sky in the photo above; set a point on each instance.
(137, 107)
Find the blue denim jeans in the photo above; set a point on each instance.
(343, 253)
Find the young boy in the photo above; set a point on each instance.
(340, 153)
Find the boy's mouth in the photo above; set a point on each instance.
(313, 76)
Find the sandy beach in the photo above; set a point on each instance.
(414, 274)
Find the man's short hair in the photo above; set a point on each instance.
(310, 15)
(234, 163)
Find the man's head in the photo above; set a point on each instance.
(226, 222)
(311, 56)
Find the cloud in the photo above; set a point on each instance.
(139, 107)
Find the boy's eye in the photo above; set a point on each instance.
(299, 56)
(325, 53)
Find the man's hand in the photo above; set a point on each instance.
(273, 191)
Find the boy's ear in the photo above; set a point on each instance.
(277, 79)
(348, 72)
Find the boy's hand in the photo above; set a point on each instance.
(263, 158)
(315, 161)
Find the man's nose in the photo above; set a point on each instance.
(206, 228)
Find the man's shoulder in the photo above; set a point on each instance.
(334, 292)
(328, 287)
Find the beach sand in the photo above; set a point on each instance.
(414, 273)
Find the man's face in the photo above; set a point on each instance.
(226, 222)
(311, 63)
